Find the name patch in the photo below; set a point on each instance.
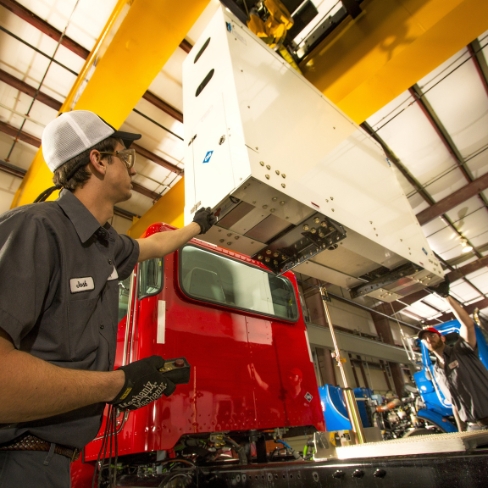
(454, 364)
(81, 284)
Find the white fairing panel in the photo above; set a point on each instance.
(281, 166)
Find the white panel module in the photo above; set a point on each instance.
(289, 175)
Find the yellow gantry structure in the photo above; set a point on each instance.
(168, 209)
(364, 64)
(137, 41)
(367, 62)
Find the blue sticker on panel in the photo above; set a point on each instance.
(207, 157)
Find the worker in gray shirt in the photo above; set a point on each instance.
(60, 263)
(458, 369)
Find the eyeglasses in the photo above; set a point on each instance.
(127, 156)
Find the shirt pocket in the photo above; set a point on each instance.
(84, 335)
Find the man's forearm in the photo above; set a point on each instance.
(460, 313)
(162, 243)
(34, 389)
(467, 330)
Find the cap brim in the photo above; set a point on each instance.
(424, 331)
(127, 137)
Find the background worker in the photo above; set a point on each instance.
(458, 369)
(60, 263)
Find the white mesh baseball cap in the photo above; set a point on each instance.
(74, 132)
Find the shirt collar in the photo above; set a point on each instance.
(82, 219)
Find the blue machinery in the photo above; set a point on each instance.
(437, 408)
(334, 407)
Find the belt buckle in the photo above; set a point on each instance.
(75, 455)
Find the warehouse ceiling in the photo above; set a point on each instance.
(435, 133)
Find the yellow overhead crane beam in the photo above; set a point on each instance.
(138, 39)
(367, 62)
(364, 64)
(168, 209)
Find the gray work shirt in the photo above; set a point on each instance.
(58, 299)
(466, 378)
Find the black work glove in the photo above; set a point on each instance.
(442, 289)
(144, 383)
(204, 218)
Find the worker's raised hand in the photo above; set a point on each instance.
(442, 289)
(205, 219)
(144, 383)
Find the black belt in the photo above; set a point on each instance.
(33, 443)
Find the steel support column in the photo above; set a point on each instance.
(313, 300)
(148, 35)
(325, 364)
(389, 47)
(383, 328)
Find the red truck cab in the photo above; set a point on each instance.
(241, 329)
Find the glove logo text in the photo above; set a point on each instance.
(150, 392)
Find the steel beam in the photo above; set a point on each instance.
(56, 105)
(12, 170)
(20, 173)
(398, 164)
(459, 273)
(53, 33)
(76, 48)
(367, 62)
(444, 136)
(147, 36)
(439, 129)
(476, 51)
(157, 159)
(452, 276)
(44, 27)
(410, 178)
(404, 302)
(73, 46)
(162, 105)
(29, 90)
(480, 304)
(453, 200)
(18, 134)
(145, 191)
(53, 103)
(120, 212)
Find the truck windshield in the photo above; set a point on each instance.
(220, 279)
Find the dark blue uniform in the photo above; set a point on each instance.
(466, 379)
(58, 300)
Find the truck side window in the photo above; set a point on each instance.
(124, 292)
(220, 279)
(150, 277)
